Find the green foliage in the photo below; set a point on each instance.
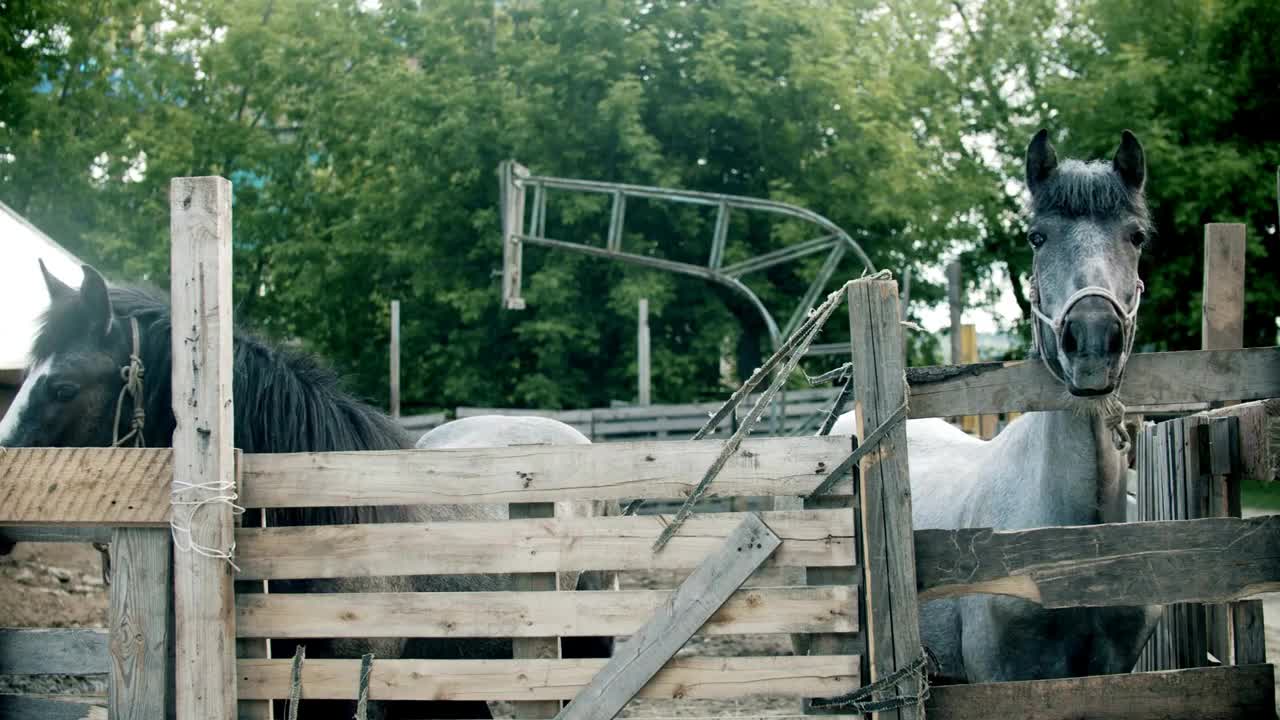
(362, 144)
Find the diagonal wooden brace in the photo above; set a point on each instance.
(637, 660)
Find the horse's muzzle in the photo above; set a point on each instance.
(1092, 347)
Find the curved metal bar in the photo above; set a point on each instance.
(516, 180)
(697, 197)
(775, 336)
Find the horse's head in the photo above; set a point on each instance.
(69, 396)
(1089, 223)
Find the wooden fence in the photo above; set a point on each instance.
(859, 568)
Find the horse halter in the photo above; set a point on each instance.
(132, 376)
(1128, 321)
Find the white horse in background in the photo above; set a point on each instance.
(490, 431)
(1089, 223)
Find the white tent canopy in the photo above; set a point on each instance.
(23, 296)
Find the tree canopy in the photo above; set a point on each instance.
(362, 139)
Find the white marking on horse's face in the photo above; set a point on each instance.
(9, 425)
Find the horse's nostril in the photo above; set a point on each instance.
(1115, 338)
(1069, 344)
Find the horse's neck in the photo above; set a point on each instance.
(1070, 472)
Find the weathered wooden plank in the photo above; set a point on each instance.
(1248, 634)
(256, 647)
(1225, 693)
(138, 686)
(757, 611)
(641, 656)
(203, 462)
(43, 708)
(892, 628)
(102, 486)
(55, 533)
(848, 579)
(1149, 379)
(536, 473)
(814, 538)
(1157, 563)
(1222, 315)
(395, 359)
(81, 651)
(1257, 456)
(544, 648)
(694, 677)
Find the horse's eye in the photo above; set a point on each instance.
(1036, 238)
(64, 391)
(1138, 238)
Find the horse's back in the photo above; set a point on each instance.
(943, 462)
(484, 431)
(942, 459)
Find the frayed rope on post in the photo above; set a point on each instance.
(362, 701)
(185, 511)
(784, 361)
(864, 700)
(295, 682)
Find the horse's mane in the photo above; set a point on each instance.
(1089, 189)
(285, 401)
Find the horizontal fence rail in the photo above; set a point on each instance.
(53, 651)
(1224, 693)
(101, 486)
(818, 538)
(538, 473)
(1142, 563)
(1204, 377)
(1194, 376)
(520, 614)
(524, 680)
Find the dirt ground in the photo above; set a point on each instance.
(60, 585)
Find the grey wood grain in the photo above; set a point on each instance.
(638, 659)
(1224, 693)
(892, 628)
(1208, 560)
(1149, 379)
(80, 651)
(138, 685)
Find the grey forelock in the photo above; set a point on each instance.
(1088, 189)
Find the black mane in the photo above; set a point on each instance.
(1088, 189)
(285, 401)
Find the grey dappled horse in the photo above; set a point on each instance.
(284, 402)
(1089, 223)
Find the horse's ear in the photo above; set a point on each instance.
(1130, 161)
(1042, 160)
(96, 301)
(58, 290)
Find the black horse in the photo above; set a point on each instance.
(284, 402)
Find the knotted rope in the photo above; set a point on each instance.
(295, 682)
(132, 375)
(864, 700)
(784, 361)
(362, 702)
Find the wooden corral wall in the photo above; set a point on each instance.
(863, 566)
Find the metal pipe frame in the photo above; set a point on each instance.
(516, 180)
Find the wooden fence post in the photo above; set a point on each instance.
(395, 358)
(886, 536)
(969, 355)
(535, 648)
(955, 301)
(203, 462)
(642, 353)
(1235, 630)
(140, 678)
